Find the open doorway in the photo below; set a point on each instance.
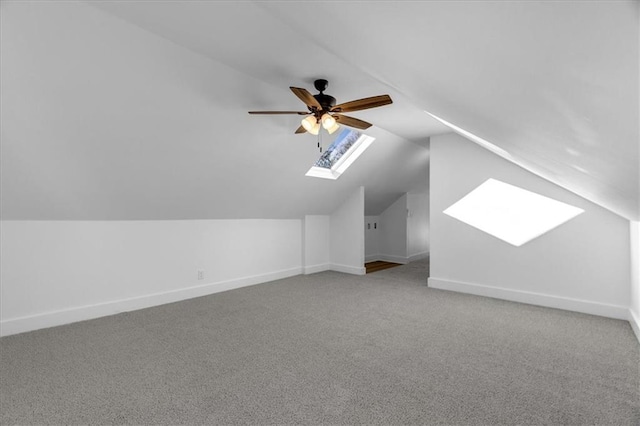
(399, 234)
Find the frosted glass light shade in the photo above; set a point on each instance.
(308, 123)
(315, 129)
(328, 121)
(333, 128)
(509, 213)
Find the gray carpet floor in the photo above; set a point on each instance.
(327, 348)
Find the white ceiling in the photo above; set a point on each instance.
(555, 84)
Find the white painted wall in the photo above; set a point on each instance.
(393, 232)
(347, 235)
(104, 120)
(634, 310)
(371, 238)
(582, 265)
(402, 234)
(56, 272)
(634, 227)
(417, 226)
(316, 243)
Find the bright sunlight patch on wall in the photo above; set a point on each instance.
(344, 150)
(509, 213)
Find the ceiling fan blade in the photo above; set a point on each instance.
(300, 130)
(351, 122)
(306, 97)
(279, 112)
(360, 104)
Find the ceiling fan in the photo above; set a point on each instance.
(324, 111)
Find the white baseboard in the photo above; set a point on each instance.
(634, 321)
(418, 256)
(372, 258)
(316, 268)
(569, 304)
(394, 259)
(354, 270)
(82, 313)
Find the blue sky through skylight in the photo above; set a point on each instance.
(343, 151)
(338, 148)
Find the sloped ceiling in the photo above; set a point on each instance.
(554, 84)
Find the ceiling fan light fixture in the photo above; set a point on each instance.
(315, 129)
(328, 121)
(309, 123)
(333, 128)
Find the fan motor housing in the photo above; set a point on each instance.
(326, 101)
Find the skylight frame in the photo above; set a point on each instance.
(344, 162)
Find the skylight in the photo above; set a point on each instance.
(345, 149)
(509, 213)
